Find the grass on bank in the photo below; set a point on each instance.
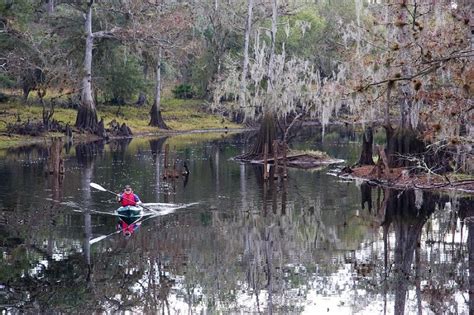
(179, 115)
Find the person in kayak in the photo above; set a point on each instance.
(128, 197)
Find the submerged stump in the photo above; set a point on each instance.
(55, 160)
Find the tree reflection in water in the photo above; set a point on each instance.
(282, 247)
(406, 213)
(427, 262)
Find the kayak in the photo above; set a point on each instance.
(130, 214)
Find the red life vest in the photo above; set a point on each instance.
(128, 199)
(127, 229)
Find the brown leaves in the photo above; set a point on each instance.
(400, 23)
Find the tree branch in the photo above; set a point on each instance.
(287, 131)
(106, 34)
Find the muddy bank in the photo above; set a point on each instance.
(296, 159)
(401, 178)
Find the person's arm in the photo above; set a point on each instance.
(119, 197)
(137, 199)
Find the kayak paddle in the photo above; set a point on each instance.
(98, 187)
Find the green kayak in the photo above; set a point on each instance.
(130, 213)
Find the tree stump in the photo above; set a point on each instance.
(275, 159)
(141, 100)
(125, 131)
(68, 133)
(101, 129)
(55, 160)
(265, 162)
(382, 163)
(285, 152)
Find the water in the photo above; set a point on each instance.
(311, 244)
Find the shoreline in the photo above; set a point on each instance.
(397, 180)
(18, 141)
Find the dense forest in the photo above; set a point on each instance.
(359, 114)
(405, 66)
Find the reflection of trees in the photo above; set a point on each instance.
(55, 179)
(407, 215)
(156, 146)
(118, 148)
(87, 152)
(266, 248)
(466, 213)
(28, 153)
(235, 256)
(63, 286)
(21, 167)
(435, 278)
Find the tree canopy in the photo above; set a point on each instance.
(400, 63)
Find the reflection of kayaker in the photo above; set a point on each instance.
(128, 228)
(130, 212)
(130, 219)
(131, 216)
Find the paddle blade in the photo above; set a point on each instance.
(97, 186)
(97, 239)
(100, 238)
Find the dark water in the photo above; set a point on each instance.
(313, 244)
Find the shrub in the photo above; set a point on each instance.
(183, 91)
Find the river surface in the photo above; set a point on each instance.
(312, 244)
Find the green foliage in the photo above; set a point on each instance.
(179, 115)
(306, 30)
(183, 91)
(202, 72)
(220, 39)
(313, 30)
(19, 12)
(6, 81)
(120, 77)
(206, 219)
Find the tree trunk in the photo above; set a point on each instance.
(156, 120)
(366, 196)
(142, 97)
(403, 37)
(55, 161)
(367, 148)
(470, 246)
(266, 135)
(274, 32)
(466, 210)
(387, 104)
(243, 79)
(407, 219)
(50, 6)
(401, 143)
(87, 114)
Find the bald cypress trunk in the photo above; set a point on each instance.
(50, 6)
(265, 137)
(87, 115)
(243, 80)
(156, 120)
(405, 94)
(403, 141)
(273, 33)
(367, 147)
